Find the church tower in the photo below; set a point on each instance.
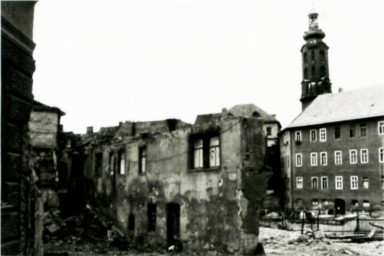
(315, 63)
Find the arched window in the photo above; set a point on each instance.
(322, 71)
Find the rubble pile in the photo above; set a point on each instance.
(281, 242)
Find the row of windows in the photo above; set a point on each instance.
(205, 154)
(324, 184)
(322, 157)
(321, 135)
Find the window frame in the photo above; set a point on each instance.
(339, 183)
(313, 135)
(381, 155)
(354, 182)
(299, 181)
(299, 156)
(121, 160)
(338, 157)
(322, 178)
(323, 134)
(314, 160)
(380, 127)
(315, 182)
(298, 136)
(351, 158)
(363, 130)
(365, 181)
(143, 159)
(364, 156)
(323, 163)
(204, 150)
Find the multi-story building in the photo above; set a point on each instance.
(332, 154)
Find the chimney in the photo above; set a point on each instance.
(89, 130)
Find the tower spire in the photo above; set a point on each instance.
(315, 62)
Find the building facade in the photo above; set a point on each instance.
(197, 186)
(332, 154)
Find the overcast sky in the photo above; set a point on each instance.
(103, 62)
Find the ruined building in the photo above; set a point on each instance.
(332, 154)
(197, 186)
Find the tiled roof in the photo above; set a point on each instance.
(329, 108)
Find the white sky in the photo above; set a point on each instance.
(103, 62)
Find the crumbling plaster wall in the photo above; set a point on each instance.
(218, 206)
(43, 129)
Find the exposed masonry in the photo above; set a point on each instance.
(196, 186)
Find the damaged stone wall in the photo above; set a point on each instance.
(212, 208)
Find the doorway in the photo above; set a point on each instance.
(339, 206)
(173, 223)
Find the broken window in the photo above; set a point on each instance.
(366, 203)
(131, 222)
(151, 210)
(269, 131)
(142, 159)
(355, 203)
(214, 149)
(365, 182)
(205, 151)
(352, 132)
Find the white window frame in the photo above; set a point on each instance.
(314, 159)
(354, 182)
(299, 156)
(364, 157)
(351, 156)
(299, 182)
(315, 185)
(311, 139)
(381, 155)
(323, 161)
(214, 151)
(380, 127)
(322, 184)
(339, 182)
(323, 134)
(198, 155)
(338, 157)
(298, 136)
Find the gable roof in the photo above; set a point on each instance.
(362, 103)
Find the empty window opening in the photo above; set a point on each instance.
(366, 204)
(151, 210)
(269, 131)
(339, 206)
(142, 160)
(299, 182)
(313, 135)
(121, 162)
(173, 224)
(363, 130)
(315, 182)
(131, 222)
(337, 133)
(365, 182)
(352, 132)
(98, 164)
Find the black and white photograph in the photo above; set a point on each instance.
(192, 127)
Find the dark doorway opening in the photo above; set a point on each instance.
(173, 224)
(339, 206)
(131, 222)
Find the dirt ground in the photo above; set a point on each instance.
(281, 242)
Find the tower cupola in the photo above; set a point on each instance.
(315, 63)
